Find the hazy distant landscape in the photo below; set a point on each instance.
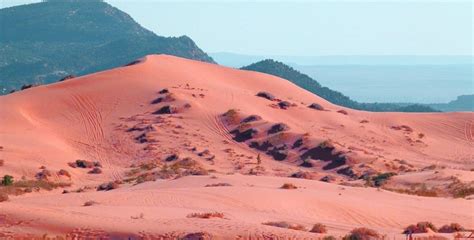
(395, 83)
(408, 79)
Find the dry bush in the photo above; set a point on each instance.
(343, 112)
(288, 186)
(89, 203)
(108, 186)
(319, 228)
(232, 116)
(459, 189)
(206, 215)
(63, 172)
(451, 228)
(420, 227)
(218, 185)
(362, 234)
(95, 170)
(287, 225)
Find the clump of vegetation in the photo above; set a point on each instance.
(219, 185)
(232, 116)
(420, 227)
(343, 112)
(7, 180)
(362, 234)
(63, 172)
(451, 228)
(287, 225)
(89, 203)
(418, 190)
(329, 238)
(459, 189)
(84, 164)
(108, 186)
(319, 228)
(380, 179)
(95, 170)
(10, 187)
(207, 215)
(288, 186)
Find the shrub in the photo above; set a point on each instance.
(420, 227)
(7, 180)
(343, 112)
(219, 185)
(95, 170)
(287, 225)
(206, 215)
(319, 228)
(288, 186)
(89, 203)
(63, 172)
(380, 179)
(451, 228)
(362, 234)
(108, 186)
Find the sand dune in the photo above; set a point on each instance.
(200, 118)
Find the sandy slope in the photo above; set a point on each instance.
(90, 118)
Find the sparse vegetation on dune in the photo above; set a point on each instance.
(219, 185)
(206, 215)
(288, 186)
(11, 187)
(283, 224)
(319, 228)
(420, 227)
(362, 234)
(451, 228)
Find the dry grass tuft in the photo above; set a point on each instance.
(451, 228)
(287, 225)
(420, 227)
(288, 186)
(362, 234)
(90, 203)
(319, 228)
(207, 215)
(218, 185)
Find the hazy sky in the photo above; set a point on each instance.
(311, 27)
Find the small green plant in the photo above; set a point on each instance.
(7, 180)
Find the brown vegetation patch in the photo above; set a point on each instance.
(319, 228)
(287, 225)
(218, 185)
(362, 234)
(206, 215)
(288, 186)
(421, 227)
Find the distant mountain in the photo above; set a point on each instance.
(46, 41)
(282, 70)
(462, 103)
(239, 60)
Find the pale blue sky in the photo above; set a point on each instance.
(311, 27)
